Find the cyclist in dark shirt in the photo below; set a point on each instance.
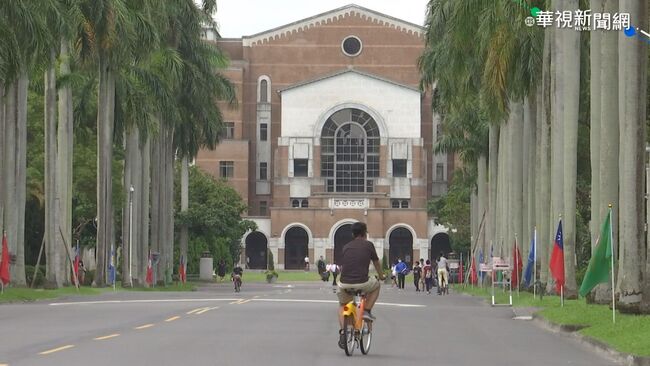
(356, 259)
(237, 274)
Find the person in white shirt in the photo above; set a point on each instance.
(443, 275)
(306, 263)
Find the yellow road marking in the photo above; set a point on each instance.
(107, 337)
(236, 302)
(194, 311)
(56, 349)
(205, 310)
(172, 318)
(144, 326)
(245, 301)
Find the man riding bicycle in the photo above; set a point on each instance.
(237, 274)
(356, 258)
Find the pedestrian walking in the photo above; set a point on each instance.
(417, 274)
(334, 269)
(221, 269)
(422, 277)
(427, 274)
(321, 265)
(393, 274)
(307, 264)
(402, 269)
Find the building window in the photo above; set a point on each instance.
(226, 169)
(263, 170)
(300, 167)
(350, 151)
(399, 203)
(263, 208)
(351, 46)
(304, 204)
(399, 167)
(264, 92)
(295, 203)
(394, 203)
(440, 172)
(264, 131)
(229, 130)
(405, 204)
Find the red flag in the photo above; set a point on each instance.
(473, 278)
(516, 273)
(149, 278)
(557, 259)
(181, 270)
(75, 266)
(5, 277)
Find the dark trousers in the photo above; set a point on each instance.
(429, 283)
(334, 274)
(416, 282)
(400, 280)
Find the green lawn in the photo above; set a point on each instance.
(629, 334)
(26, 294)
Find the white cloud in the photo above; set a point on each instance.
(237, 18)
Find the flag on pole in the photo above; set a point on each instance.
(472, 276)
(557, 259)
(599, 267)
(75, 266)
(516, 273)
(480, 261)
(111, 269)
(181, 270)
(5, 276)
(149, 278)
(528, 274)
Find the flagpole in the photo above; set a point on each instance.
(611, 237)
(517, 265)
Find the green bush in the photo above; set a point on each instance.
(40, 276)
(270, 266)
(89, 278)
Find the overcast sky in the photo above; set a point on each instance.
(238, 18)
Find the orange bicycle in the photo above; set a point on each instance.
(357, 330)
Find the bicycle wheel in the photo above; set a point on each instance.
(348, 328)
(366, 337)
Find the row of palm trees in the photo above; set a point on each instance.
(156, 85)
(510, 96)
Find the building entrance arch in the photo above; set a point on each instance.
(296, 242)
(342, 236)
(256, 249)
(439, 243)
(400, 245)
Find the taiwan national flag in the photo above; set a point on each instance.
(5, 276)
(181, 270)
(149, 278)
(557, 260)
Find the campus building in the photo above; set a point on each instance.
(331, 128)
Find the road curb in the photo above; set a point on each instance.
(598, 346)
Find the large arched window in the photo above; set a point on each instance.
(264, 96)
(350, 151)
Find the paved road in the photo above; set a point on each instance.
(273, 325)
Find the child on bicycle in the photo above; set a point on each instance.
(237, 274)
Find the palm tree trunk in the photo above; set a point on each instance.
(156, 208)
(185, 186)
(493, 184)
(105, 124)
(571, 101)
(530, 137)
(9, 174)
(544, 197)
(2, 154)
(473, 211)
(482, 198)
(517, 158)
(609, 128)
(129, 231)
(143, 208)
(500, 189)
(169, 199)
(632, 104)
(64, 157)
(53, 278)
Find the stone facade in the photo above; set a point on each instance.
(331, 128)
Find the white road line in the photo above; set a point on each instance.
(334, 301)
(107, 337)
(56, 350)
(144, 326)
(205, 310)
(645, 33)
(172, 319)
(136, 301)
(194, 311)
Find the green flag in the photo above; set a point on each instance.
(600, 264)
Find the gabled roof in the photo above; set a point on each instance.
(329, 16)
(346, 71)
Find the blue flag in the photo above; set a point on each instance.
(480, 261)
(111, 270)
(531, 264)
